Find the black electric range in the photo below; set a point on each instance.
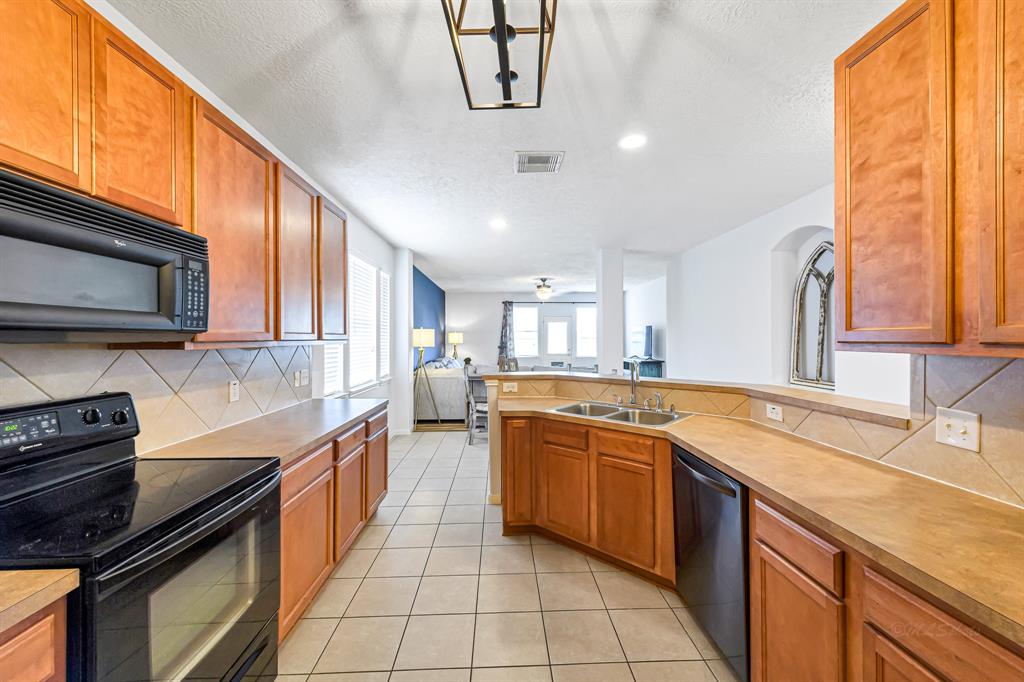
(178, 559)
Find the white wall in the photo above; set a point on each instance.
(645, 304)
(729, 302)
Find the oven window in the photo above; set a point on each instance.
(42, 274)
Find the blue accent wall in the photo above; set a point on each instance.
(428, 311)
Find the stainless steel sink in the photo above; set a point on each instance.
(588, 409)
(645, 417)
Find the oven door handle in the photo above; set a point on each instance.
(155, 554)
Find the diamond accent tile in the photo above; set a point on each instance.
(283, 355)
(173, 366)
(206, 390)
(16, 389)
(176, 423)
(130, 373)
(299, 362)
(283, 397)
(239, 360)
(262, 378)
(60, 371)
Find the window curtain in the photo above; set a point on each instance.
(506, 344)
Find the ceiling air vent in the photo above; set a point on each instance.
(538, 162)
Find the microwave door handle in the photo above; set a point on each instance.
(149, 558)
(706, 480)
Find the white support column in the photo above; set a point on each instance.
(400, 407)
(610, 349)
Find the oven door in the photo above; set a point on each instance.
(201, 604)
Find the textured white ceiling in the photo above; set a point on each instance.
(734, 96)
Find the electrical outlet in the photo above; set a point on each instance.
(957, 428)
(304, 377)
(510, 387)
(773, 412)
(233, 391)
(297, 378)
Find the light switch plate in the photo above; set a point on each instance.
(510, 387)
(957, 428)
(233, 391)
(773, 412)
(304, 377)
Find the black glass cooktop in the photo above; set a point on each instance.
(94, 520)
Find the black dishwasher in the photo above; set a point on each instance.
(711, 553)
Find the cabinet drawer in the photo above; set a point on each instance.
(566, 435)
(376, 423)
(946, 645)
(625, 445)
(812, 555)
(299, 475)
(349, 441)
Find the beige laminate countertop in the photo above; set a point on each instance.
(287, 433)
(964, 549)
(25, 592)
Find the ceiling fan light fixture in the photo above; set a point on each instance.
(633, 141)
(544, 289)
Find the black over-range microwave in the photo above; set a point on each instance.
(72, 268)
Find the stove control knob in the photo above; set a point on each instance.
(91, 416)
(119, 417)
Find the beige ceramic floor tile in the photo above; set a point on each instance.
(437, 642)
(492, 513)
(427, 497)
(350, 677)
(397, 483)
(625, 591)
(355, 564)
(293, 678)
(410, 536)
(722, 671)
(462, 483)
(384, 516)
(453, 561)
(672, 597)
(568, 591)
(418, 515)
(598, 566)
(362, 645)
(440, 675)
(504, 639)
(534, 673)
(559, 559)
(592, 672)
(384, 597)
(395, 498)
(493, 536)
(653, 635)
(508, 592)
(581, 637)
(700, 639)
(300, 651)
(468, 513)
(446, 594)
(467, 497)
(507, 560)
(372, 537)
(333, 598)
(458, 535)
(541, 540)
(672, 671)
(392, 563)
(444, 484)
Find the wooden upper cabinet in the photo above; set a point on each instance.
(296, 256)
(1001, 168)
(45, 113)
(140, 111)
(233, 179)
(894, 225)
(333, 274)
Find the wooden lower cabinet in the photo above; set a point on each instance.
(517, 458)
(626, 510)
(563, 487)
(376, 470)
(885, 661)
(349, 502)
(307, 533)
(34, 650)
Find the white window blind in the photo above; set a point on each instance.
(334, 371)
(384, 325)
(362, 305)
(524, 331)
(586, 332)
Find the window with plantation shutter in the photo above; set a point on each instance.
(334, 371)
(362, 339)
(384, 326)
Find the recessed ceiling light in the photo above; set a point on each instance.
(633, 141)
(498, 224)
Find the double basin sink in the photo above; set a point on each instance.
(620, 414)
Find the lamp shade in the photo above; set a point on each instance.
(454, 337)
(423, 338)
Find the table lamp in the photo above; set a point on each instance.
(423, 337)
(455, 338)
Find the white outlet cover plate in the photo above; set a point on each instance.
(773, 412)
(958, 428)
(304, 377)
(233, 391)
(510, 387)
(297, 378)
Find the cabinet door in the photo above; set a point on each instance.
(564, 491)
(37, 647)
(139, 128)
(296, 257)
(517, 457)
(884, 661)
(625, 510)
(333, 287)
(349, 505)
(307, 548)
(233, 178)
(1001, 168)
(894, 223)
(796, 627)
(376, 471)
(45, 116)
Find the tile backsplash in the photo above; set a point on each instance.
(178, 394)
